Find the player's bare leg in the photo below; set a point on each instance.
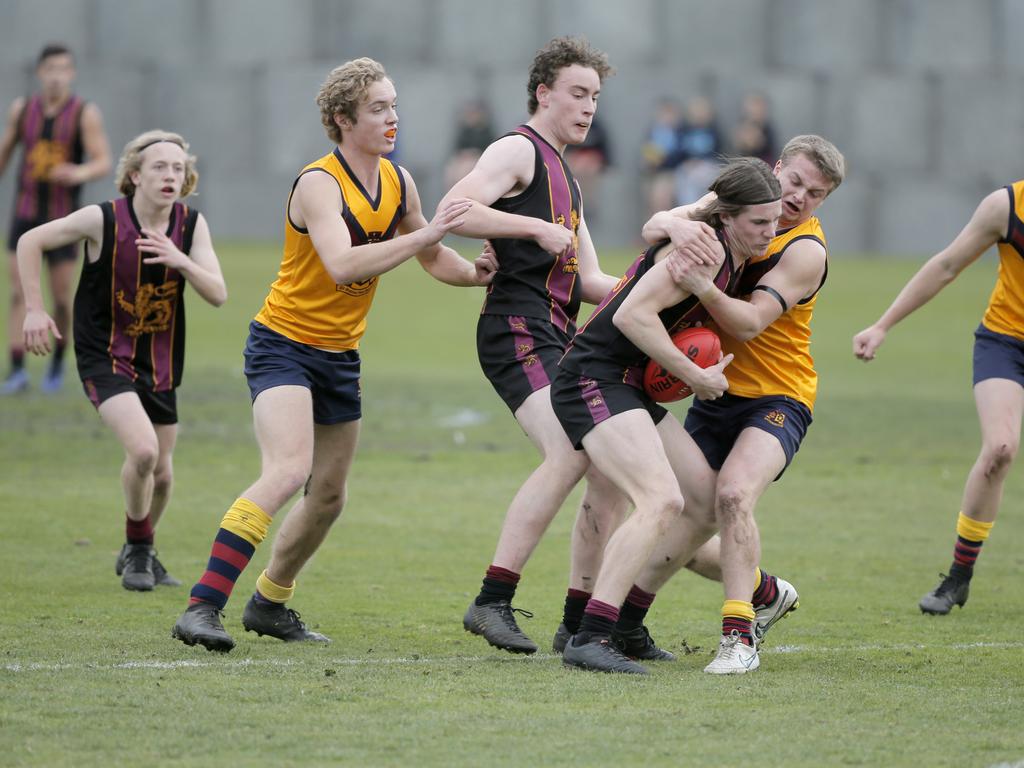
(528, 517)
(126, 417)
(1000, 404)
(163, 484)
(602, 510)
(627, 448)
(301, 533)
(283, 420)
(17, 379)
(755, 460)
(62, 277)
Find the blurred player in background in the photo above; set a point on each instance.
(64, 146)
(129, 326)
(998, 371)
(351, 217)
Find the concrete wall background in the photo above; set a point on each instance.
(923, 96)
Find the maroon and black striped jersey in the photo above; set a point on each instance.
(601, 351)
(47, 143)
(530, 282)
(130, 316)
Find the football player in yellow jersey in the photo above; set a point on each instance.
(746, 441)
(998, 370)
(301, 358)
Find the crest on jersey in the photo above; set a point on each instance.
(152, 308)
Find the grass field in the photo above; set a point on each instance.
(862, 524)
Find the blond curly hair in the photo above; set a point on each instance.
(344, 90)
(131, 161)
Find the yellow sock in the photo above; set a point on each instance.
(757, 579)
(739, 609)
(247, 520)
(275, 593)
(972, 530)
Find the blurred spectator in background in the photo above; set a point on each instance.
(754, 134)
(588, 162)
(473, 134)
(700, 147)
(662, 153)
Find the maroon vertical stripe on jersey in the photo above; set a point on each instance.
(162, 343)
(65, 129)
(563, 271)
(31, 128)
(124, 288)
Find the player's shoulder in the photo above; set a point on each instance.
(16, 107)
(994, 209)
(512, 146)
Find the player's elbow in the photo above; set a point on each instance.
(220, 296)
(341, 273)
(744, 333)
(625, 320)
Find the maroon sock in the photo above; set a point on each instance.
(499, 584)
(598, 620)
(139, 531)
(767, 592)
(634, 610)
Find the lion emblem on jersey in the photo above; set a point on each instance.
(44, 157)
(152, 308)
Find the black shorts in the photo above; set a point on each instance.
(997, 356)
(332, 378)
(518, 355)
(20, 226)
(161, 407)
(581, 403)
(715, 425)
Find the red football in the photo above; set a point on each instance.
(701, 345)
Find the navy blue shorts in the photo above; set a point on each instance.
(715, 425)
(160, 407)
(20, 226)
(581, 403)
(997, 356)
(273, 360)
(518, 355)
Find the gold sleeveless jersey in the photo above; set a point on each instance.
(1005, 313)
(304, 303)
(778, 360)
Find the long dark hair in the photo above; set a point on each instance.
(743, 182)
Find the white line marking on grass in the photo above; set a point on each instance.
(884, 647)
(222, 662)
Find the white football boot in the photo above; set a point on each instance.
(734, 657)
(785, 601)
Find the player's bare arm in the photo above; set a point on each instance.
(441, 262)
(595, 283)
(505, 169)
(97, 150)
(10, 138)
(797, 275)
(986, 227)
(200, 266)
(315, 205)
(84, 224)
(638, 319)
(694, 240)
